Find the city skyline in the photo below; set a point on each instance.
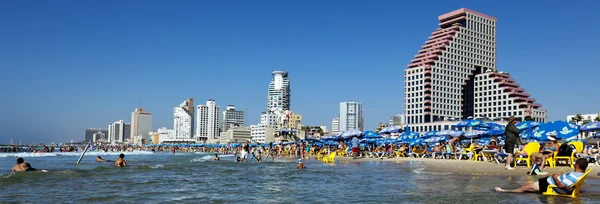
(333, 56)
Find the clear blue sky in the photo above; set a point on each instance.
(70, 65)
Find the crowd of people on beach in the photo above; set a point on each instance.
(459, 148)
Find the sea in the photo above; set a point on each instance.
(195, 177)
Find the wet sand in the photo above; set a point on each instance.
(471, 167)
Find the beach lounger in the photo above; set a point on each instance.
(530, 148)
(577, 187)
(571, 159)
(329, 158)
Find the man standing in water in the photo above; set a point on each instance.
(121, 161)
(245, 150)
(512, 138)
(355, 147)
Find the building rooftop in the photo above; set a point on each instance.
(462, 11)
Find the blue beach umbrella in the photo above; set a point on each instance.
(351, 133)
(471, 123)
(453, 133)
(563, 130)
(491, 133)
(591, 126)
(372, 134)
(474, 134)
(527, 125)
(430, 134)
(384, 130)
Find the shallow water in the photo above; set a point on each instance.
(191, 177)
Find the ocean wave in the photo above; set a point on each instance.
(209, 158)
(422, 171)
(54, 154)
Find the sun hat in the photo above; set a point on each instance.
(511, 118)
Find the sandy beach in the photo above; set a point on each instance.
(470, 167)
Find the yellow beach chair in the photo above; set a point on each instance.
(578, 149)
(329, 158)
(530, 148)
(577, 186)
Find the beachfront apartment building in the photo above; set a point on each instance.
(335, 126)
(183, 120)
(350, 116)
(279, 92)
(232, 118)
(119, 131)
(207, 121)
(141, 123)
(264, 131)
(455, 76)
(236, 135)
(95, 134)
(585, 118)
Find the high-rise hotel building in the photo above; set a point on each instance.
(183, 120)
(455, 76)
(278, 98)
(207, 121)
(232, 118)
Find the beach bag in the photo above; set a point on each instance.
(565, 150)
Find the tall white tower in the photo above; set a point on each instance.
(183, 116)
(351, 117)
(207, 122)
(141, 123)
(278, 98)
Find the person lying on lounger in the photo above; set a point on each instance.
(564, 182)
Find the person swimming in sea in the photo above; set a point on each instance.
(238, 159)
(18, 167)
(27, 167)
(121, 161)
(300, 164)
(99, 159)
(216, 158)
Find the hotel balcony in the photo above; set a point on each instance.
(452, 21)
(513, 93)
(507, 83)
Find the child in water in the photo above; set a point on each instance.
(300, 164)
(216, 158)
(239, 159)
(535, 169)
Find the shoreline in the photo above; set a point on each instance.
(469, 167)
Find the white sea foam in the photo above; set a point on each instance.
(157, 166)
(209, 158)
(54, 154)
(422, 171)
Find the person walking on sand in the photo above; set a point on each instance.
(564, 182)
(512, 138)
(355, 144)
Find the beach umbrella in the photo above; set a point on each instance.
(493, 132)
(527, 125)
(562, 130)
(591, 126)
(471, 123)
(372, 134)
(453, 133)
(351, 133)
(474, 134)
(526, 134)
(489, 126)
(384, 130)
(430, 134)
